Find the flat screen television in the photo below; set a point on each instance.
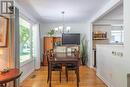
(71, 38)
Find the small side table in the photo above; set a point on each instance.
(12, 75)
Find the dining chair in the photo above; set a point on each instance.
(72, 66)
(54, 66)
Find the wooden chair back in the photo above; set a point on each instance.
(76, 53)
(50, 54)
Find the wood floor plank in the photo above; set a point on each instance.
(88, 78)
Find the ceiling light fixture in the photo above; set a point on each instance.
(63, 28)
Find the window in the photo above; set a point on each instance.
(25, 40)
(117, 35)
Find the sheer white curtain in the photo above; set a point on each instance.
(36, 45)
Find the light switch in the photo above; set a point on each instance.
(120, 54)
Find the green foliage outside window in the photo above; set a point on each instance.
(25, 42)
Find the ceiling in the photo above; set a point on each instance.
(114, 14)
(50, 10)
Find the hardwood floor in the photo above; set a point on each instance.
(88, 78)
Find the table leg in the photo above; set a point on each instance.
(50, 74)
(60, 75)
(66, 72)
(77, 74)
(14, 83)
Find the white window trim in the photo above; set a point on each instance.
(119, 25)
(31, 56)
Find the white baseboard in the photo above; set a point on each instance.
(25, 76)
(105, 81)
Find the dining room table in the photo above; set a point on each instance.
(64, 58)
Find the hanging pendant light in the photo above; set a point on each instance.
(63, 29)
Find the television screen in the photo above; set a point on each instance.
(71, 38)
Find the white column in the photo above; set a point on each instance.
(36, 46)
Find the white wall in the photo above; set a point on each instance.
(117, 67)
(110, 67)
(75, 27)
(4, 58)
(127, 38)
(36, 45)
(89, 37)
(6, 53)
(115, 14)
(109, 22)
(104, 10)
(26, 67)
(113, 17)
(105, 23)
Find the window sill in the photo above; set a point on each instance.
(26, 62)
(116, 43)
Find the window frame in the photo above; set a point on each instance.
(121, 31)
(31, 42)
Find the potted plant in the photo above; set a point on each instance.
(51, 32)
(84, 51)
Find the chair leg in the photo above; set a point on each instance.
(77, 75)
(75, 71)
(5, 85)
(48, 76)
(60, 76)
(66, 72)
(1, 85)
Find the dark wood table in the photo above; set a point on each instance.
(12, 75)
(64, 58)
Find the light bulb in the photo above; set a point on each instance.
(56, 29)
(68, 28)
(61, 28)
